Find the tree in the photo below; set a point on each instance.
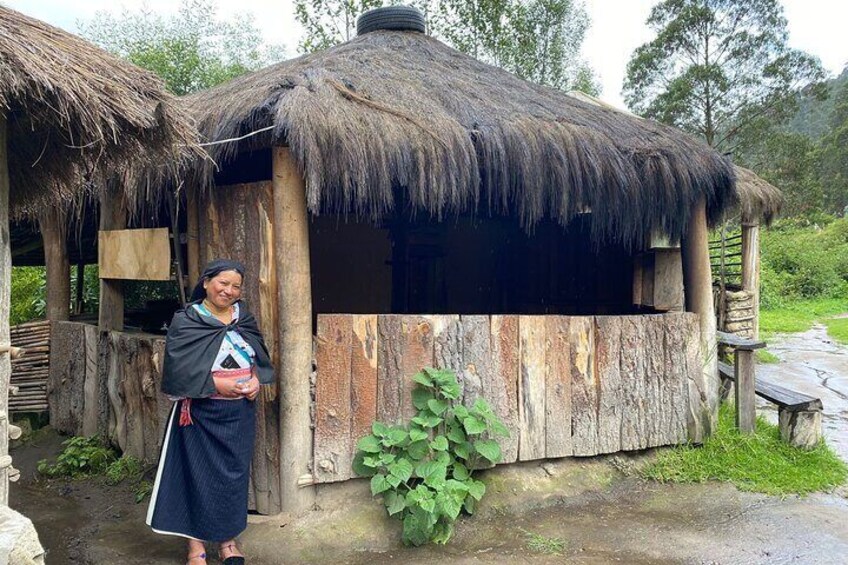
(191, 50)
(538, 40)
(717, 68)
(833, 152)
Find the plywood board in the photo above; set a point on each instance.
(142, 254)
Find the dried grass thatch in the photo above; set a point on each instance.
(401, 109)
(758, 199)
(77, 115)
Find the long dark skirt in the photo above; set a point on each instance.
(202, 480)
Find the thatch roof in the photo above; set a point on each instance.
(758, 199)
(401, 109)
(78, 115)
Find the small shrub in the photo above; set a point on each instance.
(82, 456)
(424, 470)
(125, 468)
(142, 491)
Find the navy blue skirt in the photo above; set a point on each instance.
(204, 470)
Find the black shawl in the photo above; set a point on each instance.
(192, 344)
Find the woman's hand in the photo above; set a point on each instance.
(228, 388)
(249, 389)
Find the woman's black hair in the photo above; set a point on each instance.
(213, 269)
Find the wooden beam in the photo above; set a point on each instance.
(751, 267)
(53, 224)
(294, 293)
(5, 300)
(113, 216)
(698, 289)
(746, 407)
(193, 234)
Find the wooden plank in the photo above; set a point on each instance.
(66, 384)
(447, 343)
(668, 280)
(138, 254)
(505, 377)
(418, 333)
(391, 346)
(113, 216)
(364, 371)
(533, 371)
(5, 302)
(658, 414)
(332, 398)
(739, 343)
(91, 393)
(783, 397)
(633, 348)
(53, 224)
(607, 362)
(584, 386)
(558, 387)
(476, 357)
(746, 402)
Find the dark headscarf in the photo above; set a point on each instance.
(194, 340)
(213, 269)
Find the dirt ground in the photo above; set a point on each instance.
(571, 511)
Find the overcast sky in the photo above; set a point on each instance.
(618, 27)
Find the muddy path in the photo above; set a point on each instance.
(812, 363)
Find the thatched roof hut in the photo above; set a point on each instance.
(758, 199)
(400, 109)
(76, 113)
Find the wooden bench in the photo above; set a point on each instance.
(799, 415)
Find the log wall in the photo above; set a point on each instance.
(563, 385)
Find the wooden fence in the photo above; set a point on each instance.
(564, 386)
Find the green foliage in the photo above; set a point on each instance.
(538, 40)
(718, 68)
(82, 457)
(28, 299)
(142, 491)
(799, 316)
(538, 543)
(424, 469)
(127, 468)
(760, 462)
(766, 357)
(837, 328)
(190, 50)
(801, 262)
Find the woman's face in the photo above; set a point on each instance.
(223, 289)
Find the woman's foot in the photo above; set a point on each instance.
(230, 554)
(196, 553)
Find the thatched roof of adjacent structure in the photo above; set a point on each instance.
(758, 199)
(78, 115)
(401, 109)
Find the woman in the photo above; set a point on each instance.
(215, 361)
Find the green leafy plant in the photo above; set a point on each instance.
(125, 468)
(424, 469)
(142, 491)
(82, 456)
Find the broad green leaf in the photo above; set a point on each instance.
(473, 425)
(427, 420)
(462, 450)
(443, 458)
(379, 484)
(438, 407)
(416, 527)
(428, 505)
(422, 379)
(499, 429)
(418, 449)
(451, 391)
(461, 412)
(397, 436)
(439, 443)
(369, 444)
(393, 480)
(477, 489)
(359, 466)
(456, 434)
(379, 429)
(417, 434)
(394, 503)
(420, 396)
(442, 533)
(460, 471)
(451, 506)
(402, 468)
(470, 504)
(489, 449)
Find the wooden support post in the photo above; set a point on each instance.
(79, 300)
(5, 299)
(746, 409)
(193, 234)
(698, 289)
(294, 303)
(751, 267)
(52, 222)
(113, 216)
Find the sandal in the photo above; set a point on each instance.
(232, 559)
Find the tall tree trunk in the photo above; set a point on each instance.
(5, 299)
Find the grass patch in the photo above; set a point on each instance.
(799, 316)
(538, 543)
(766, 357)
(760, 462)
(837, 328)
